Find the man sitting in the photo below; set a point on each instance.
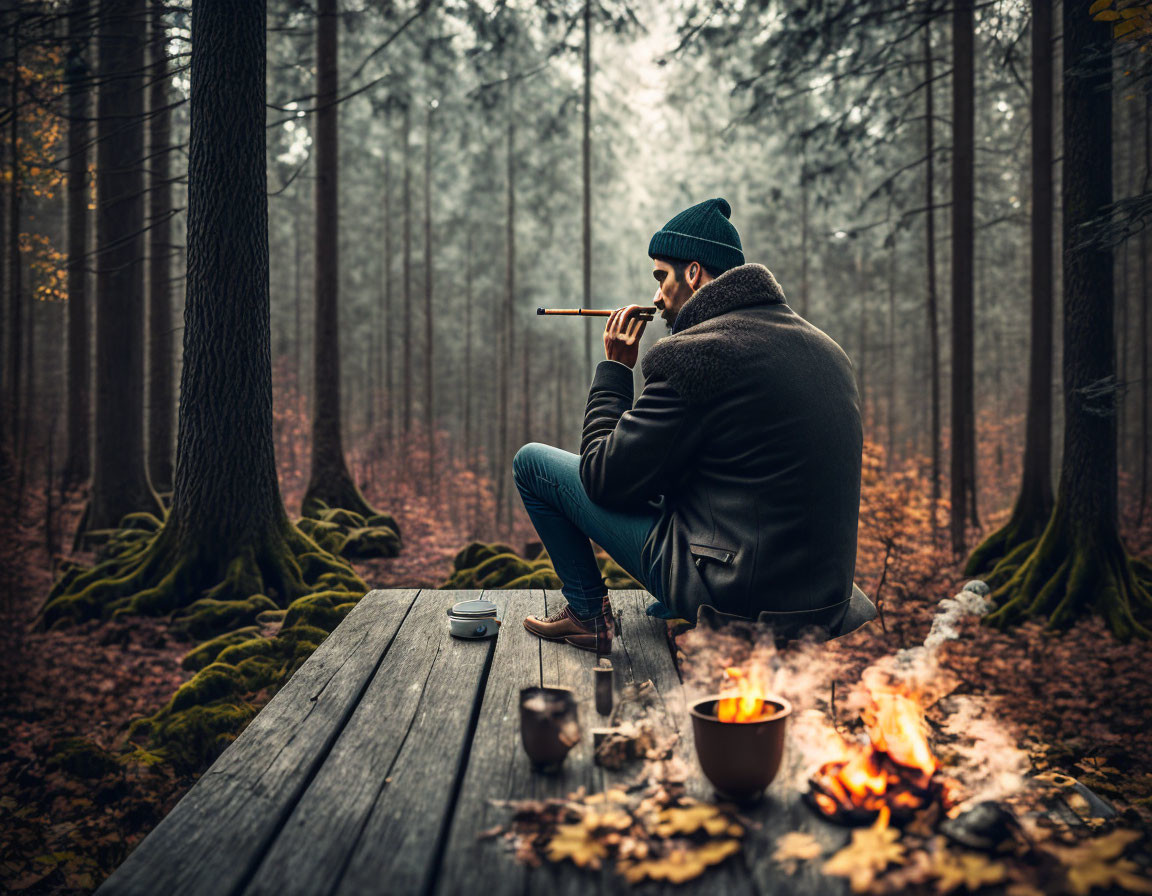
(732, 484)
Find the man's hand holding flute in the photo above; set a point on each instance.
(622, 332)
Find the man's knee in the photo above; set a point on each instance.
(523, 461)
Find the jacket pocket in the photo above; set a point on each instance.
(702, 551)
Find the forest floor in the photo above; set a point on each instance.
(1078, 702)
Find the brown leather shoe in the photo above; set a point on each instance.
(588, 634)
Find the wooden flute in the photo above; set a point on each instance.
(646, 313)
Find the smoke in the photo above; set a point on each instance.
(983, 756)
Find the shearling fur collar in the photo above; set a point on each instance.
(708, 347)
(748, 284)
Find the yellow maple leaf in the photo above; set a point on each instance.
(613, 819)
(1098, 863)
(794, 848)
(575, 842)
(870, 852)
(675, 821)
(969, 870)
(680, 864)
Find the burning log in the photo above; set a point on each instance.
(895, 769)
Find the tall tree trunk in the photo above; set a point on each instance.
(406, 384)
(890, 339)
(930, 264)
(330, 481)
(963, 257)
(502, 504)
(298, 302)
(862, 357)
(15, 265)
(1034, 501)
(429, 386)
(1078, 565)
(586, 160)
(227, 528)
(77, 463)
(31, 415)
(7, 426)
(469, 454)
(160, 363)
(1145, 313)
(804, 226)
(389, 394)
(119, 472)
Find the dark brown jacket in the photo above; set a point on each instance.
(749, 427)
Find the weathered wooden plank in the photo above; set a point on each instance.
(214, 837)
(403, 837)
(498, 767)
(419, 699)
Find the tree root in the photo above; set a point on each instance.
(1061, 579)
(350, 533)
(1022, 529)
(148, 573)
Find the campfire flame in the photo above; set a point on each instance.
(893, 772)
(748, 703)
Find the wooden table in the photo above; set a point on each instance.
(372, 769)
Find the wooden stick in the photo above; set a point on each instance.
(647, 313)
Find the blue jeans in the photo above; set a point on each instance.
(566, 518)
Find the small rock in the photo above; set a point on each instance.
(977, 586)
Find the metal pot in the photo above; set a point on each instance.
(473, 619)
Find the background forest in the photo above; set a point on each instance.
(435, 171)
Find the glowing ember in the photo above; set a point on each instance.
(748, 703)
(894, 772)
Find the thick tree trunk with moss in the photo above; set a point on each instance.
(120, 483)
(160, 366)
(227, 536)
(1034, 502)
(78, 76)
(330, 481)
(1078, 565)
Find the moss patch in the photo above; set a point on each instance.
(207, 618)
(82, 758)
(238, 671)
(351, 534)
(480, 565)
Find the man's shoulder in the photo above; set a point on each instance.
(704, 359)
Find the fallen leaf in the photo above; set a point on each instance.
(1098, 863)
(690, 820)
(794, 848)
(969, 870)
(870, 852)
(681, 864)
(612, 819)
(576, 842)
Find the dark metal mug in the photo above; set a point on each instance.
(549, 726)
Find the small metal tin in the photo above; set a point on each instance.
(473, 619)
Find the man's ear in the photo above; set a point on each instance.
(693, 274)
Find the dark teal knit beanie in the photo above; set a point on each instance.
(702, 233)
